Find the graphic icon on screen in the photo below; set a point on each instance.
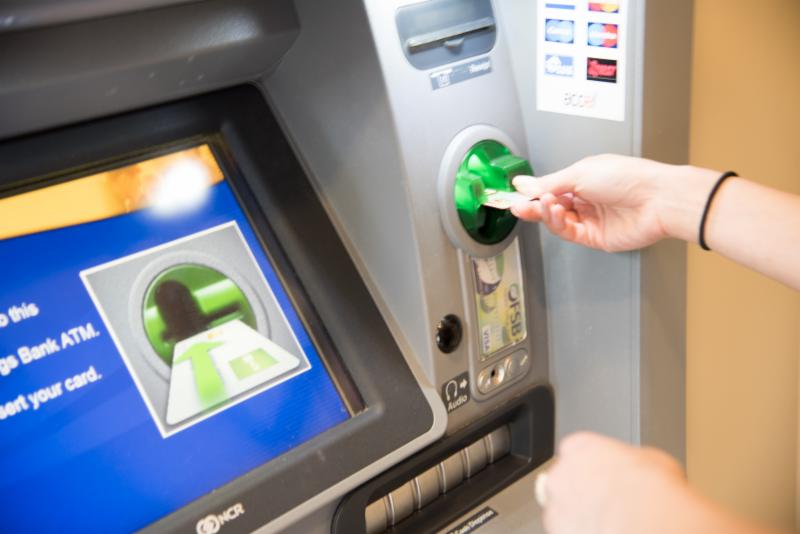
(199, 331)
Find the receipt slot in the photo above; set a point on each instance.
(479, 159)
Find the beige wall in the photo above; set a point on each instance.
(742, 329)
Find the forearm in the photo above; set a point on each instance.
(675, 509)
(755, 226)
(701, 516)
(686, 511)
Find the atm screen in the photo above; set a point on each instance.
(151, 350)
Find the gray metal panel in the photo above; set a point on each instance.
(616, 320)
(591, 296)
(665, 101)
(426, 121)
(329, 87)
(54, 76)
(329, 93)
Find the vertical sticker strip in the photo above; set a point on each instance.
(581, 58)
(499, 300)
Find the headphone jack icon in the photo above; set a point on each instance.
(451, 385)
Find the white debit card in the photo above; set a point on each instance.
(502, 200)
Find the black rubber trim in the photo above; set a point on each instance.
(531, 418)
(320, 276)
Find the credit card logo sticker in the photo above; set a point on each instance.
(601, 70)
(557, 5)
(580, 67)
(559, 31)
(556, 65)
(603, 35)
(604, 7)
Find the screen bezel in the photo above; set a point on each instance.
(387, 405)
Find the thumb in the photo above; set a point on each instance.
(557, 183)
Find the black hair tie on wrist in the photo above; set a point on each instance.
(702, 236)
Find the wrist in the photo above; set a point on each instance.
(683, 192)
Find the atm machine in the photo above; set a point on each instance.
(250, 282)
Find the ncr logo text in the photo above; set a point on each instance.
(211, 523)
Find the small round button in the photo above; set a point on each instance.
(512, 366)
(448, 333)
(498, 374)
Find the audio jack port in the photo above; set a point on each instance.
(448, 333)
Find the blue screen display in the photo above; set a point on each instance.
(98, 431)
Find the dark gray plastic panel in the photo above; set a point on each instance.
(443, 31)
(27, 14)
(73, 72)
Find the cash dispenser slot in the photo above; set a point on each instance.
(449, 478)
(443, 478)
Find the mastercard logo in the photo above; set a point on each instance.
(603, 35)
(604, 7)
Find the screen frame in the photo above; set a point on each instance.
(376, 383)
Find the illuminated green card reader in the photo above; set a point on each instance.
(487, 165)
(479, 160)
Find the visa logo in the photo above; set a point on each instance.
(559, 31)
(556, 65)
(603, 35)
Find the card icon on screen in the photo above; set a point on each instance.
(197, 325)
(215, 366)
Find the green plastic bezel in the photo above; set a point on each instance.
(487, 165)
